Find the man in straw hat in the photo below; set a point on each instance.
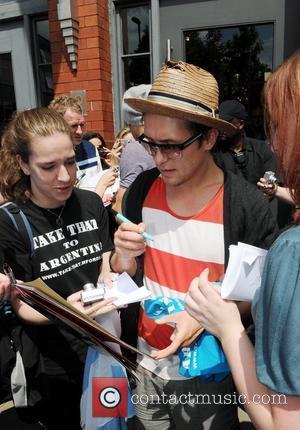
(193, 212)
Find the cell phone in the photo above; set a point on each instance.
(102, 151)
(125, 141)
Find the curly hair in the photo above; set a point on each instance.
(282, 121)
(21, 130)
(62, 103)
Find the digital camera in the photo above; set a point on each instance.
(91, 293)
(270, 177)
(125, 141)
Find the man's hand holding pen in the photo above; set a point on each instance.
(121, 217)
(129, 244)
(129, 241)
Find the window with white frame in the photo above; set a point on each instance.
(136, 52)
(42, 56)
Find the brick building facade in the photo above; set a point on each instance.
(93, 72)
(120, 43)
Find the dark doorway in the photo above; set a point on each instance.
(7, 91)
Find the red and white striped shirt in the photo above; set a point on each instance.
(182, 248)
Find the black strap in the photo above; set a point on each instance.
(20, 223)
(135, 195)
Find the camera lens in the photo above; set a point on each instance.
(88, 287)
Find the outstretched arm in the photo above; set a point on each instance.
(275, 190)
(222, 318)
(106, 180)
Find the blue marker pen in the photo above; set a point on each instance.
(124, 219)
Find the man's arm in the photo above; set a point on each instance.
(221, 318)
(117, 206)
(275, 190)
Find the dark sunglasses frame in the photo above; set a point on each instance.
(169, 147)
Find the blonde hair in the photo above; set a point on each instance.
(282, 120)
(123, 132)
(21, 130)
(62, 103)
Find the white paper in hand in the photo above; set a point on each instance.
(90, 180)
(244, 272)
(126, 290)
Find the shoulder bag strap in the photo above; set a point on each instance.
(21, 224)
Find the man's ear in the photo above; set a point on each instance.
(211, 139)
(23, 166)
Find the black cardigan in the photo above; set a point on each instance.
(247, 214)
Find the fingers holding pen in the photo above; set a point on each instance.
(130, 232)
(129, 240)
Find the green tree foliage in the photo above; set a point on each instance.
(234, 61)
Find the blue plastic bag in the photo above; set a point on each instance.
(100, 364)
(205, 357)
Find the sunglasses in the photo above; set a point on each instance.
(171, 150)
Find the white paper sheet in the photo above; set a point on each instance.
(244, 272)
(90, 181)
(126, 290)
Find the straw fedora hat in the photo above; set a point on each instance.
(184, 91)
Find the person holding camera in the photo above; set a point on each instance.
(72, 247)
(109, 157)
(239, 153)
(272, 189)
(251, 158)
(109, 181)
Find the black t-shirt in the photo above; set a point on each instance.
(66, 258)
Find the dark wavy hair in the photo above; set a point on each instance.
(92, 134)
(20, 131)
